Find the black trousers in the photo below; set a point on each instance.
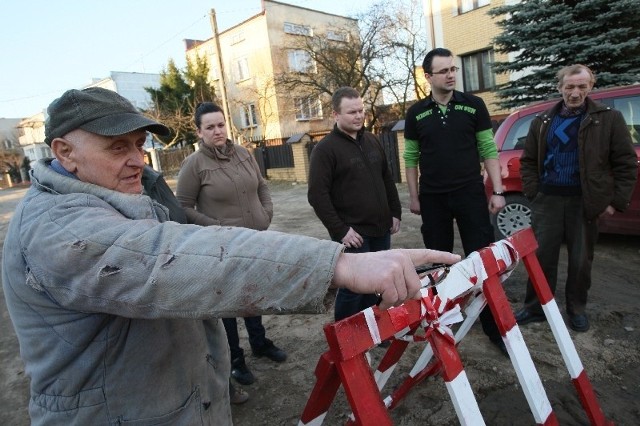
(468, 207)
(557, 219)
(255, 329)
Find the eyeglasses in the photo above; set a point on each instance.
(446, 71)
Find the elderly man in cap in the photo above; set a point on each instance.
(110, 299)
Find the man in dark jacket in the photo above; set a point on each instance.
(578, 164)
(352, 191)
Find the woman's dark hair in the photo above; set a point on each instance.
(205, 108)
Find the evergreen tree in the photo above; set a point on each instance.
(174, 102)
(544, 35)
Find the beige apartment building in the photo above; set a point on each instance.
(464, 27)
(245, 60)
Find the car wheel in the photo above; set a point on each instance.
(514, 216)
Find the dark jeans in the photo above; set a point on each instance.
(468, 207)
(558, 219)
(255, 329)
(348, 302)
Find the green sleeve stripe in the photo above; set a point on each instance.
(411, 153)
(486, 145)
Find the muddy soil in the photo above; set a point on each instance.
(609, 351)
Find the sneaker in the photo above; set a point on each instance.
(271, 351)
(524, 316)
(237, 395)
(579, 322)
(241, 372)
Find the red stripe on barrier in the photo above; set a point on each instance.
(444, 349)
(324, 392)
(589, 400)
(551, 420)
(539, 281)
(494, 293)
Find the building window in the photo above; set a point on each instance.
(308, 108)
(249, 116)
(300, 61)
(237, 38)
(297, 29)
(477, 73)
(242, 69)
(469, 5)
(213, 68)
(338, 36)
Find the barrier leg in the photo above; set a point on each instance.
(518, 353)
(456, 380)
(389, 362)
(323, 393)
(362, 392)
(560, 332)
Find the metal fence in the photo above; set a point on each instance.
(171, 159)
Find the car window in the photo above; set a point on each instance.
(630, 108)
(518, 133)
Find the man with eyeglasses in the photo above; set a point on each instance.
(447, 135)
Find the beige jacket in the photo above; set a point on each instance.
(215, 189)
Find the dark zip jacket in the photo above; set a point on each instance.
(608, 168)
(350, 185)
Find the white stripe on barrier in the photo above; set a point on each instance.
(563, 339)
(527, 375)
(472, 312)
(370, 317)
(381, 377)
(456, 283)
(315, 422)
(463, 400)
(387, 401)
(478, 267)
(504, 250)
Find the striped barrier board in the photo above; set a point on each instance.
(472, 283)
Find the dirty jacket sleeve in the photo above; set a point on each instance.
(128, 262)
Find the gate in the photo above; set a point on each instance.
(389, 142)
(273, 157)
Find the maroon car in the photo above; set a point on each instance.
(510, 138)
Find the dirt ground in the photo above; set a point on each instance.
(609, 351)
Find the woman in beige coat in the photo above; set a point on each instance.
(221, 184)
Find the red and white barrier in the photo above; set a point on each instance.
(474, 283)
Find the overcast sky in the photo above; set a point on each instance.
(49, 46)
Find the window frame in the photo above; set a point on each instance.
(241, 70)
(308, 108)
(297, 29)
(481, 67)
(341, 37)
(302, 62)
(249, 115)
(466, 6)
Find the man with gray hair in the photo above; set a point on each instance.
(578, 164)
(111, 300)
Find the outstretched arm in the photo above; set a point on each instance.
(389, 273)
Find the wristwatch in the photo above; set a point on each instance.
(500, 193)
